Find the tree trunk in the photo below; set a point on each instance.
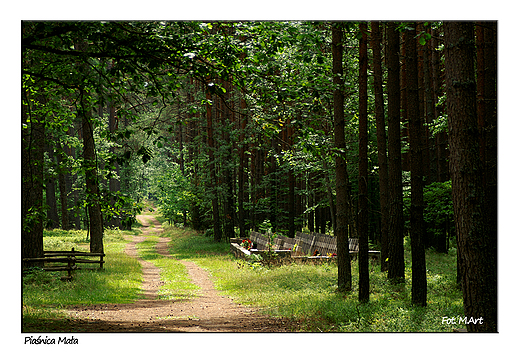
(364, 280)
(114, 184)
(90, 163)
(395, 192)
(53, 219)
(91, 178)
(342, 198)
(227, 122)
(242, 173)
(487, 111)
(63, 182)
(381, 141)
(441, 138)
(33, 142)
(217, 231)
(416, 167)
(476, 237)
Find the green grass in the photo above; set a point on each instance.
(44, 295)
(308, 293)
(304, 293)
(177, 284)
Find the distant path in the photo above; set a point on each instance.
(210, 311)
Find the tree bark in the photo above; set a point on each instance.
(364, 280)
(63, 182)
(53, 220)
(381, 141)
(476, 237)
(242, 173)
(33, 142)
(416, 167)
(344, 271)
(90, 164)
(217, 230)
(487, 111)
(91, 178)
(114, 184)
(395, 191)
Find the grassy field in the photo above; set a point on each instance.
(304, 293)
(307, 293)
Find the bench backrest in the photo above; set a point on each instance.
(309, 243)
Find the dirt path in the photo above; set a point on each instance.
(210, 311)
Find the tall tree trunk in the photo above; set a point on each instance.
(476, 237)
(381, 141)
(217, 231)
(416, 167)
(242, 172)
(91, 178)
(74, 177)
(441, 138)
(114, 185)
(395, 192)
(364, 279)
(90, 164)
(342, 198)
(429, 111)
(487, 112)
(228, 165)
(33, 143)
(53, 220)
(63, 182)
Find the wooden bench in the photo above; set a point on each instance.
(260, 241)
(309, 244)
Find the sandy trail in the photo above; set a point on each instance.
(209, 311)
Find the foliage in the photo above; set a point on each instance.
(438, 210)
(438, 202)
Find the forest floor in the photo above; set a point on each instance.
(209, 311)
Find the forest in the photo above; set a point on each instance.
(369, 130)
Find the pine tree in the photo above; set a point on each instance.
(476, 236)
(364, 280)
(395, 194)
(416, 210)
(344, 271)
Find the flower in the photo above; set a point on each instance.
(247, 244)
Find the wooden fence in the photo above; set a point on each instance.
(65, 261)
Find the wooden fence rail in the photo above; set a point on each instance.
(65, 261)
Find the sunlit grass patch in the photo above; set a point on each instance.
(308, 293)
(44, 294)
(177, 283)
